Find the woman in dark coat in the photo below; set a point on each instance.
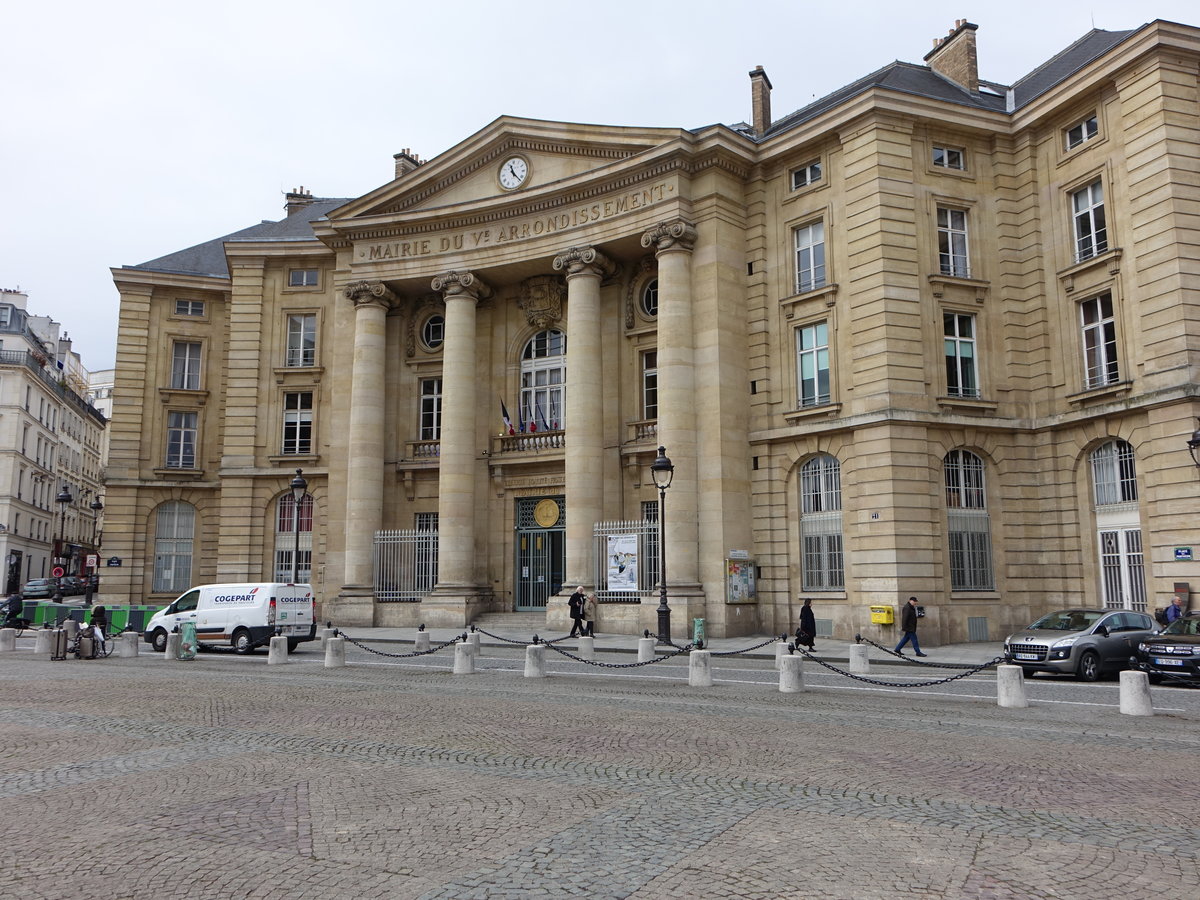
(807, 633)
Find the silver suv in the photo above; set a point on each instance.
(1082, 642)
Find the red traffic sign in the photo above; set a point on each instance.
(58, 571)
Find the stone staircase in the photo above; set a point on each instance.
(519, 622)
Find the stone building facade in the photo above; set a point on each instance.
(929, 335)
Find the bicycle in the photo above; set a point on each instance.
(18, 625)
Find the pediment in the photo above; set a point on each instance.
(557, 155)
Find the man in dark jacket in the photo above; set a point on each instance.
(575, 608)
(908, 624)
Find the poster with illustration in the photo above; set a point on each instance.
(740, 586)
(622, 562)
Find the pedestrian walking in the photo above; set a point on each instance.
(589, 615)
(575, 609)
(807, 632)
(908, 624)
(1175, 610)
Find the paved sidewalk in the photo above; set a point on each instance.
(830, 649)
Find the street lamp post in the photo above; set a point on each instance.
(63, 499)
(662, 471)
(93, 577)
(299, 487)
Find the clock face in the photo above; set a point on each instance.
(513, 172)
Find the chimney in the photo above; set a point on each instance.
(406, 162)
(954, 56)
(760, 100)
(297, 199)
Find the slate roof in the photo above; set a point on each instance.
(208, 259)
(907, 78)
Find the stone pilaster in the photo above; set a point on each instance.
(364, 463)
(672, 242)
(585, 268)
(458, 588)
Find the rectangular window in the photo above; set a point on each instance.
(650, 384)
(948, 158)
(185, 366)
(181, 440)
(189, 307)
(1081, 132)
(301, 340)
(297, 422)
(952, 242)
(970, 550)
(962, 375)
(431, 409)
(810, 257)
(806, 175)
(1091, 232)
(812, 363)
(302, 277)
(1099, 342)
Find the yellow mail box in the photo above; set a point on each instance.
(881, 615)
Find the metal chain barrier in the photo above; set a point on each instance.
(933, 665)
(769, 640)
(442, 646)
(973, 670)
(603, 665)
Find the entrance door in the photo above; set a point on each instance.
(541, 551)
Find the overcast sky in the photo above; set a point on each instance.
(134, 129)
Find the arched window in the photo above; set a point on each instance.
(543, 382)
(1118, 526)
(821, 524)
(285, 538)
(174, 534)
(968, 527)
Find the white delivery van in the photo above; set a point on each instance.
(242, 616)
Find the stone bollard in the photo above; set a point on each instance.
(422, 641)
(326, 634)
(587, 648)
(859, 664)
(645, 649)
(127, 644)
(8, 640)
(464, 659)
(473, 639)
(172, 651)
(277, 653)
(791, 674)
(1135, 694)
(535, 661)
(700, 668)
(781, 652)
(72, 628)
(1010, 687)
(335, 652)
(44, 641)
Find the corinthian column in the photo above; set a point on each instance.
(456, 475)
(585, 267)
(364, 465)
(672, 242)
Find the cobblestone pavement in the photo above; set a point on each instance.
(225, 777)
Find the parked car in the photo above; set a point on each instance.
(72, 585)
(1173, 655)
(1085, 643)
(38, 587)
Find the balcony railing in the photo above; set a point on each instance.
(531, 442)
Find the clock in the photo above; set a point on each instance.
(513, 172)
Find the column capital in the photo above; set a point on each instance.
(584, 261)
(673, 235)
(456, 284)
(370, 293)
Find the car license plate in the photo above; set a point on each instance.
(1158, 661)
(1029, 656)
